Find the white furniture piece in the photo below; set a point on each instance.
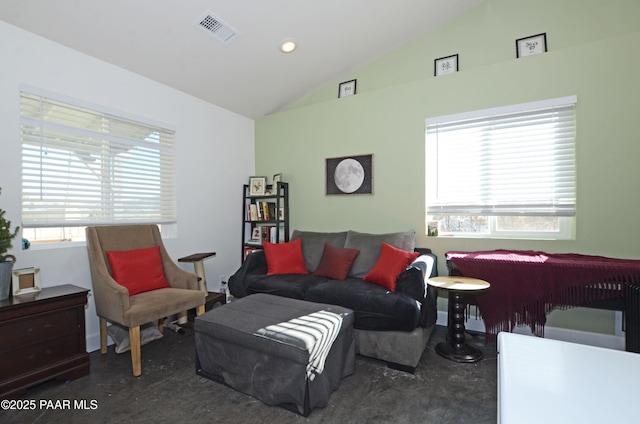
(550, 381)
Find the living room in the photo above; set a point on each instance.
(593, 53)
(395, 96)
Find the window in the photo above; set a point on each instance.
(84, 166)
(505, 172)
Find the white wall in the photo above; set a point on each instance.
(214, 150)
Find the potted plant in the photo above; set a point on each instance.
(6, 260)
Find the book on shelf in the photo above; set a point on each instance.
(262, 211)
(266, 231)
(252, 212)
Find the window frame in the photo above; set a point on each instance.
(153, 153)
(566, 220)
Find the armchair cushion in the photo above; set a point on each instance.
(139, 270)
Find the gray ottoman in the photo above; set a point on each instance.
(236, 345)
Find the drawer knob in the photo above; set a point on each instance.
(48, 352)
(30, 330)
(48, 325)
(31, 357)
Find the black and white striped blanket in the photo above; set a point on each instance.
(315, 333)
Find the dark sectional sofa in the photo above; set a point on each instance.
(390, 326)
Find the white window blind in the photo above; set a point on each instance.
(85, 167)
(518, 160)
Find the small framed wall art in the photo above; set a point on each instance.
(347, 88)
(349, 175)
(528, 46)
(257, 186)
(25, 281)
(277, 178)
(445, 65)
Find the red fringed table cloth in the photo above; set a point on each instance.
(526, 285)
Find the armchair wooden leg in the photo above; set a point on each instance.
(103, 335)
(199, 310)
(134, 339)
(182, 317)
(161, 325)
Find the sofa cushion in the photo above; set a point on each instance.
(391, 262)
(374, 306)
(139, 270)
(293, 285)
(336, 262)
(284, 258)
(313, 245)
(369, 246)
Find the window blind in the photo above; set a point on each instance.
(513, 162)
(85, 167)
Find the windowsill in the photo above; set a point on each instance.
(167, 231)
(498, 237)
(49, 245)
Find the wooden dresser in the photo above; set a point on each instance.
(42, 337)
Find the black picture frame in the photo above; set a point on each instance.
(446, 65)
(532, 45)
(347, 88)
(349, 175)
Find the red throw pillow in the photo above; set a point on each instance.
(391, 262)
(138, 270)
(336, 262)
(284, 258)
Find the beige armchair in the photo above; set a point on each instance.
(112, 300)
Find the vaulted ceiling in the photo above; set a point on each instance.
(160, 39)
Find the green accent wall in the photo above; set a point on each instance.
(594, 53)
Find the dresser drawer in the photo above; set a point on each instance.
(35, 329)
(42, 337)
(31, 358)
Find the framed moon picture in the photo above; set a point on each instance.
(350, 175)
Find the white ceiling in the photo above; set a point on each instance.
(158, 39)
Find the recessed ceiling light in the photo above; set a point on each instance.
(288, 45)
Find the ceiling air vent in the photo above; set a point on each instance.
(217, 28)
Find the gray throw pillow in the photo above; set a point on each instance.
(370, 245)
(313, 245)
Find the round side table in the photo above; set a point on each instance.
(455, 348)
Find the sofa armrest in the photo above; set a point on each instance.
(254, 264)
(427, 252)
(413, 282)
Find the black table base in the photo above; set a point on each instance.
(456, 348)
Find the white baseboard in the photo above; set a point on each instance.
(573, 336)
(93, 342)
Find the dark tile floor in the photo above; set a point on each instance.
(169, 391)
